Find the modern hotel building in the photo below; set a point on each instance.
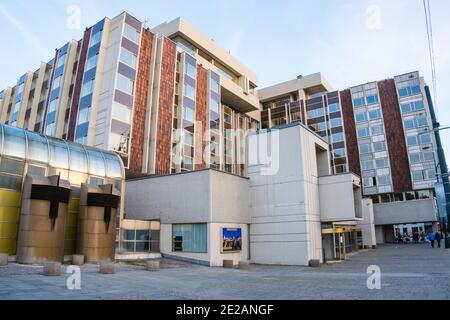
(183, 115)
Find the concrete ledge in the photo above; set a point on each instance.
(3, 259)
(131, 256)
(244, 264)
(228, 264)
(186, 259)
(52, 269)
(153, 265)
(106, 267)
(78, 259)
(315, 263)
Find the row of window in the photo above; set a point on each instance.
(374, 114)
(377, 181)
(365, 101)
(374, 164)
(409, 91)
(369, 131)
(418, 157)
(405, 196)
(412, 106)
(372, 147)
(423, 175)
(415, 123)
(418, 140)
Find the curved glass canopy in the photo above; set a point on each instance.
(58, 153)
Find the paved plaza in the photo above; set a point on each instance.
(407, 272)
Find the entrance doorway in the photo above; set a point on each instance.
(338, 242)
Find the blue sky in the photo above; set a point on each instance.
(349, 41)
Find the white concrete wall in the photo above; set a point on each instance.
(337, 198)
(284, 206)
(404, 212)
(368, 224)
(380, 234)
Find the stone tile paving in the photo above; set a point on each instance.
(408, 272)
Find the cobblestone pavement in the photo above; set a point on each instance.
(408, 272)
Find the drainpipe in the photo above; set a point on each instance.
(443, 169)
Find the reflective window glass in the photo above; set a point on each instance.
(59, 154)
(14, 143)
(113, 166)
(96, 163)
(78, 158)
(37, 147)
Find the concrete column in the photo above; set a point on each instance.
(368, 225)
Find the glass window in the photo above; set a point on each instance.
(88, 88)
(412, 140)
(406, 107)
(36, 170)
(190, 70)
(96, 162)
(12, 166)
(430, 174)
(384, 180)
(372, 99)
(214, 86)
(428, 156)
(78, 158)
(57, 82)
(59, 154)
(124, 84)
(83, 115)
(131, 33)
(214, 105)
(190, 238)
(409, 195)
(316, 113)
(368, 182)
(96, 38)
(422, 122)
(425, 138)
(188, 114)
(52, 105)
(409, 124)
(374, 114)
(14, 142)
(12, 182)
(358, 102)
(113, 166)
(363, 132)
(415, 157)
(361, 117)
(418, 105)
(321, 126)
(339, 153)
(337, 137)
(189, 91)
(423, 194)
(188, 138)
(364, 148)
(335, 122)
(128, 57)
(121, 112)
(96, 181)
(417, 175)
(368, 165)
(376, 130)
(379, 146)
(37, 147)
(91, 62)
(381, 163)
(333, 107)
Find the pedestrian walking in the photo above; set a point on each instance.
(437, 236)
(416, 237)
(431, 238)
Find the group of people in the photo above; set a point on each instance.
(416, 237)
(435, 237)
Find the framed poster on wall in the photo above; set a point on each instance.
(231, 240)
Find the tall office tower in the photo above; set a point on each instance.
(380, 130)
(166, 99)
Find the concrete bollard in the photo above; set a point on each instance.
(52, 269)
(3, 259)
(107, 267)
(315, 263)
(244, 264)
(153, 265)
(77, 259)
(228, 264)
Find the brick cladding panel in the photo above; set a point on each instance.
(350, 132)
(165, 108)
(141, 100)
(78, 85)
(200, 116)
(395, 136)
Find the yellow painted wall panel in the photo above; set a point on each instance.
(8, 246)
(9, 198)
(9, 214)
